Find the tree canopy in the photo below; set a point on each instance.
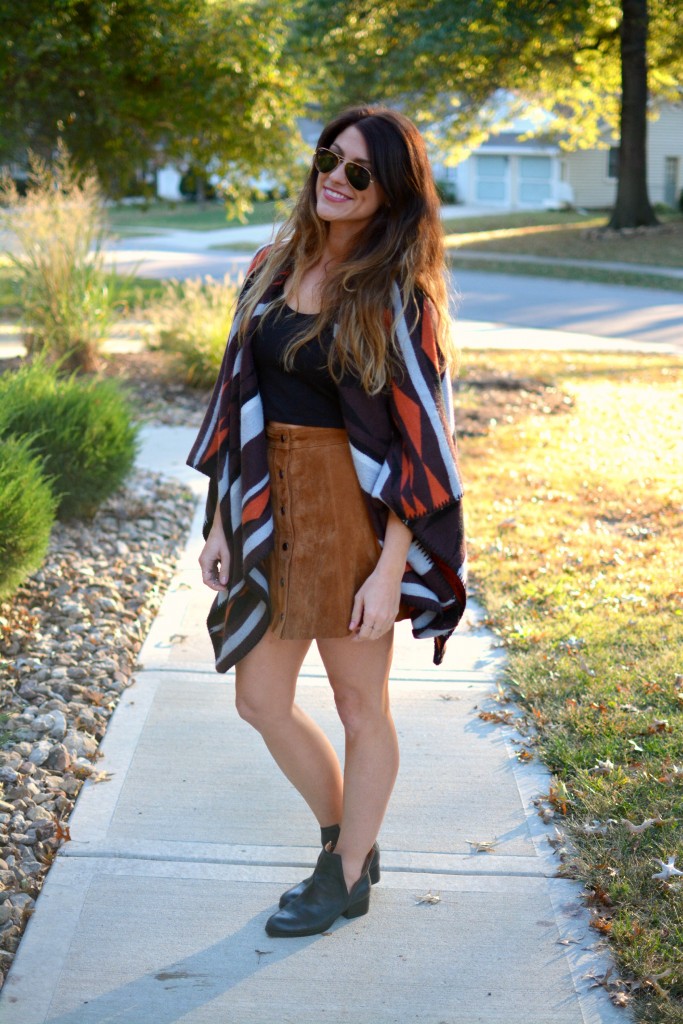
(205, 81)
(444, 60)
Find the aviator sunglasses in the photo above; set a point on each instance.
(358, 177)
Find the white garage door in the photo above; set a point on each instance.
(535, 185)
(492, 185)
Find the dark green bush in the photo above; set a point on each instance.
(27, 513)
(81, 430)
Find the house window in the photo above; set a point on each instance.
(613, 162)
(670, 179)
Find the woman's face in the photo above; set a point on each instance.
(337, 201)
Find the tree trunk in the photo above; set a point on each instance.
(633, 207)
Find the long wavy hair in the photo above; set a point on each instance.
(403, 244)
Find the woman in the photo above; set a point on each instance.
(334, 496)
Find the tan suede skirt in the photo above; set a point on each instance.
(325, 546)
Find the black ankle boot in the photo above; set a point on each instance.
(329, 834)
(323, 901)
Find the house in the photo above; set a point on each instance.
(512, 172)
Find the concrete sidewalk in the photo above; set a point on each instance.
(154, 912)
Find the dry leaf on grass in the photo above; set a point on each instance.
(659, 725)
(596, 828)
(669, 870)
(556, 839)
(603, 767)
(637, 829)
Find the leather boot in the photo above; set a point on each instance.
(326, 836)
(325, 899)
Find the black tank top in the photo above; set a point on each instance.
(306, 396)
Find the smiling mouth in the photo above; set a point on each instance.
(333, 195)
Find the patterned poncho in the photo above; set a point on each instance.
(403, 448)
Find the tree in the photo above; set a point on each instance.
(125, 83)
(633, 207)
(443, 61)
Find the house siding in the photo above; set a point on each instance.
(586, 170)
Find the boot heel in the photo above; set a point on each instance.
(374, 874)
(359, 908)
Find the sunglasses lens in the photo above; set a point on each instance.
(358, 176)
(325, 161)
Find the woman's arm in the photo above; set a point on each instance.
(214, 554)
(377, 602)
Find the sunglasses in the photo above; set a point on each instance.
(358, 176)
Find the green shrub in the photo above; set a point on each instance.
(27, 513)
(58, 228)
(81, 429)
(191, 321)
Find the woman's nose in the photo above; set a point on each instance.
(337, 176)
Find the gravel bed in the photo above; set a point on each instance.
(69, 640)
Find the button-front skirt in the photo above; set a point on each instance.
(325, 546)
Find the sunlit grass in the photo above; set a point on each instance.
(575, 526)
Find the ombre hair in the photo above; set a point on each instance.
(402, 244)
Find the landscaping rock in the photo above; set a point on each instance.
(69, 643)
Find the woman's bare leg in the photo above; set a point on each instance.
(359, 676)
(265, 689)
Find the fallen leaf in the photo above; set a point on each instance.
(669, 869)
(620, 998)
(603, 767)
(500, 717)
(659, 725)
(556, 839)
(101, 776)
(602, 924)
(637, 829)
(429, 897)
(62, 832)
(524, 755)
(482, 845)
(636, 746)
(595, 828)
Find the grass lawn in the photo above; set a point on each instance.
(575, 513)
(131, 220)
(568, 273)
(569, 236)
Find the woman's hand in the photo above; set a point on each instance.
(215, 554)
(376, 604)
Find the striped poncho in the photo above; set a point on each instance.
(403, 448)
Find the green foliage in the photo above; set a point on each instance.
(192, 321)
(81, 430)
(202, 80)
(443, 60)
(27, 513)
(66, 299)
